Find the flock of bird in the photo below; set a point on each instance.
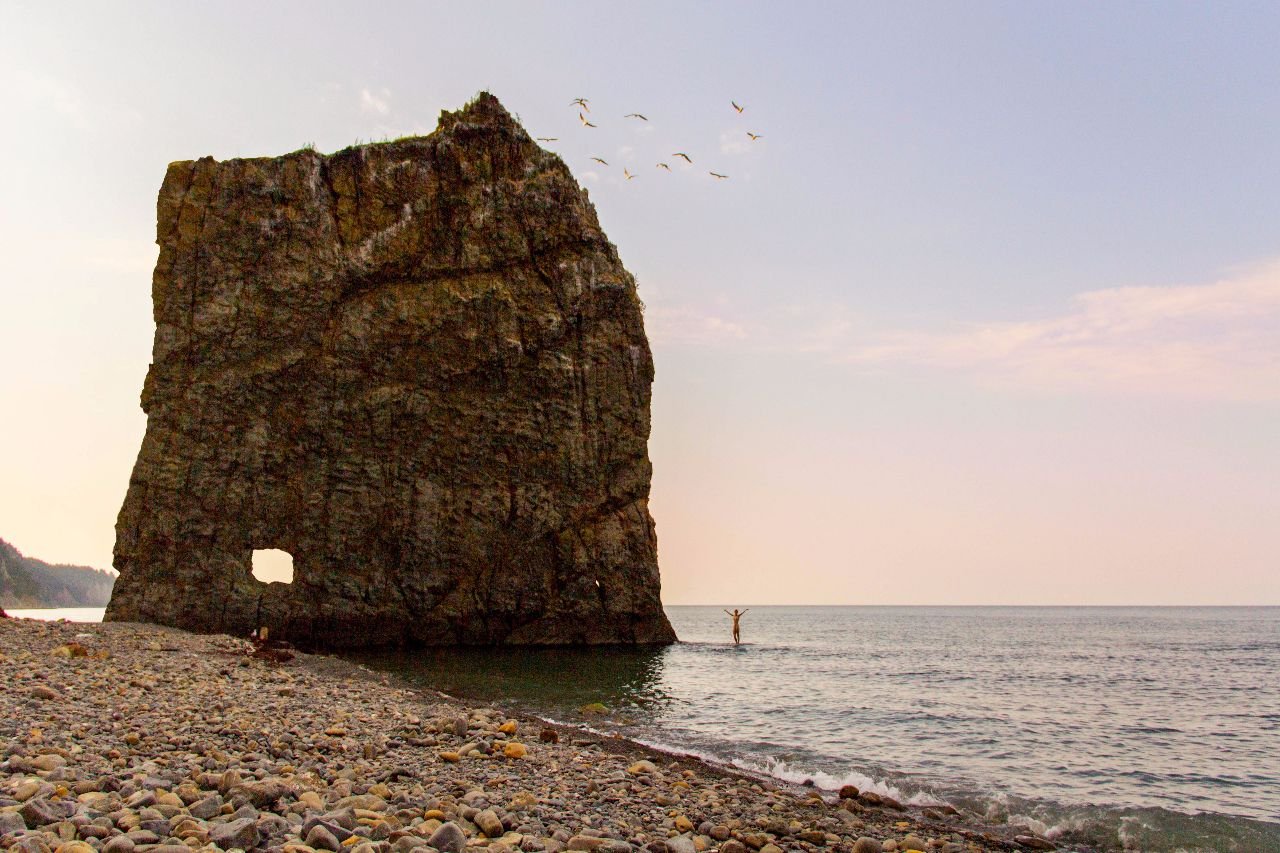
(584, 107)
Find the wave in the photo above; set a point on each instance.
(1100, 826)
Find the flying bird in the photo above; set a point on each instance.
(601, 162)
(581, 102)
(685, 156)
(548, 138)
(736, 107)
(664, 166)
(627, 174)
(635, 115)
(717, 175)
(584, 121)
(754, 136)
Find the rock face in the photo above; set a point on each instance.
(420, 368)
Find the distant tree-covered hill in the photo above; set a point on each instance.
(28, 582)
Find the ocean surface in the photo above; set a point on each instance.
(1154, 729)
(71, 614)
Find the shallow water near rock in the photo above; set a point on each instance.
(1149, 728)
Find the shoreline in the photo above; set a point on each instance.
(157, 737)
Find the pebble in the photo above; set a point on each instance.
(681, 844)
(490, 824)
(175, 743)
(11, 822)
(119, 844)
(448, 838)
(242, 833)
(320, 838)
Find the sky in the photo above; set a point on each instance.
(989, 314)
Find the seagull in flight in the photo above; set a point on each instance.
(717, 175)
(581, 102)
(627, 174)
(664, 166)
(736, 107)
(548, 138)
(685, 156)
(635, 115)
(754, 136)
(584, 120)
(601, 162)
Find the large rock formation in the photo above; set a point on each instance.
(420, 368)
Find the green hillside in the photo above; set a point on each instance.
(28, 582)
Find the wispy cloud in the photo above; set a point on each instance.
(377, 103)
(734, 142)
(1215, 340)
(52, 95)
(691, 324)
(1219, 340)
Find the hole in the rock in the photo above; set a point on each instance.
(271, 565)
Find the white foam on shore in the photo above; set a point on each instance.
(780, 769)
(774, 768)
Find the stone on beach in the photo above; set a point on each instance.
(224, 749)
(320, 838)
(448, 838)
(242, 833)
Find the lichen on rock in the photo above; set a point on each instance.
(420, 368)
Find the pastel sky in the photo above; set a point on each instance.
(990, 313)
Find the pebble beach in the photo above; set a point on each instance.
(124, 737)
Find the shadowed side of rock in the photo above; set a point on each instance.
(420, 368)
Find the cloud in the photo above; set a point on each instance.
(1218, 340)
(1214, 341)
(377, 103)
(734, 142)
(52, 95)
(686, 324)
(128, 256)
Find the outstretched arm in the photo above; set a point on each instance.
(745, 612)
(728, 613)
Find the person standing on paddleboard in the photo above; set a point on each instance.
(736, 615)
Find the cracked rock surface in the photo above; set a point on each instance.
(421, 369)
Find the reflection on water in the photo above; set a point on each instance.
(625, 680)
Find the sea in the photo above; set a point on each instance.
(1104, 728)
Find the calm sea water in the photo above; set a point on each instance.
(1118, 728)
(71, 614)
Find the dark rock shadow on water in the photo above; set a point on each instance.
(542, 680)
